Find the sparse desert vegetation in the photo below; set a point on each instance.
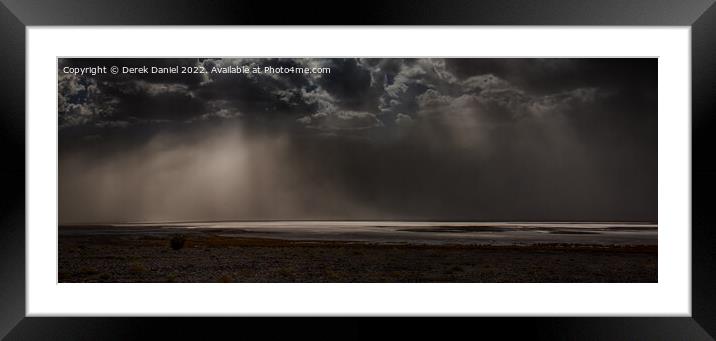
(177, 241)
(216, 257)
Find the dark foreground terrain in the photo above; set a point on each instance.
(211, 256)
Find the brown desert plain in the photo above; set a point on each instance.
(363, 252)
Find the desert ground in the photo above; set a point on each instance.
(95, 253)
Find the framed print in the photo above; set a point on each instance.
(446, 159)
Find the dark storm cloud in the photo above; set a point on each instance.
(559, 74)
(351, 84)
(505, 139)
(106, 100)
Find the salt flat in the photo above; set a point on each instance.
(401, 232)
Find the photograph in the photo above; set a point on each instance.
(357, 170)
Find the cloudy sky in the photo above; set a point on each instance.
(443, 139)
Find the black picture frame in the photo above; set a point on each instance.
(15, 15)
